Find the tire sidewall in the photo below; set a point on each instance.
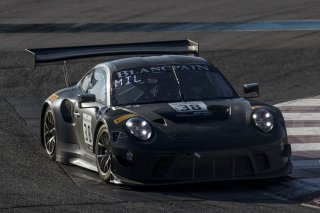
(53, 155)
(104, 176)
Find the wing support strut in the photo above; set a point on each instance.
(66, 74)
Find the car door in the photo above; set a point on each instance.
(86, 121)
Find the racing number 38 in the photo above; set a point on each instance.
(189, 107)
(87, 129)
(195, 106)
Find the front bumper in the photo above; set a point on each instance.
(267, 161)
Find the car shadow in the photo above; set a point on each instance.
(277, 190)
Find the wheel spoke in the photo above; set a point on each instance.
(46, 125)
(101, 144)
(100, 156)
(49, 133)
(102, 161)
(103, 154)
(53, 143)
(50, 143)
(106, 165)
(52, 131)
(50, 119)
(104, 140)
(51, 139)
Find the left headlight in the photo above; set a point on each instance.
(263, 119)
(139, 128)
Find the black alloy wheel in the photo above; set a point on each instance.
(49, 134)
(103, 153)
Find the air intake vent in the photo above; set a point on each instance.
(161, 121)
(261, 161)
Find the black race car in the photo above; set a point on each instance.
(167, 116)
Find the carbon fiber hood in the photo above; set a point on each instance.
(223, 120)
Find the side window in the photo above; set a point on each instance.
(97, 85)
(85, 82)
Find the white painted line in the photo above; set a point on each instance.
(298, 147)
(311, 205)
(303, 131)
(309, 116)
(301, 102)
(279, 105)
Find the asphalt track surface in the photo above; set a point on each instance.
(285, 63)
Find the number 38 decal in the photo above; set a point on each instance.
(87, 132)
(195, 106)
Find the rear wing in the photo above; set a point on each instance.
(45, 55)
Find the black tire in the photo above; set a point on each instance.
(49, 134)
(103, 153)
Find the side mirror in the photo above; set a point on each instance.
(250, 88)
(86, 100)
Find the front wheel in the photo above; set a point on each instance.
(49, 134)
(103, 153)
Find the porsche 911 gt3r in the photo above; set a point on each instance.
(167, 116)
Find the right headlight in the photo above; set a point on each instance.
(139, 128)
(263, 120)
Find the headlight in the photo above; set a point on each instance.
(139, 128)
(263, 119)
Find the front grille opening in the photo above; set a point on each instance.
(161, 167)
(261, 161)
(243, 166)
(183, 168)
(223, 167)
(204, 168)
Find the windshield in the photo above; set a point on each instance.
(169, 83)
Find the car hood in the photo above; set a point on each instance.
(223, 120)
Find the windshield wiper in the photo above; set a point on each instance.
(178, 84)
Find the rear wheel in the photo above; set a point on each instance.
(49, 134)
(103, 153)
